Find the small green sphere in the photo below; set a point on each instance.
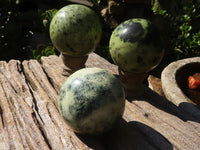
(91, 101)
(75, 30)
(136, 46)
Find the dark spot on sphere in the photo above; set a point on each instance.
(61, 108)
(119, 55)
(62, 94)
(69, 87)
(70, 48)
(153, 37)
(84, 103)
(130, 32)
(98, 76)
(80, 89)
(83, 106)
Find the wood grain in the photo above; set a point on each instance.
(29, 118)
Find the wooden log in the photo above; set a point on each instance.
(155, 110)
(56, 132)
(29, 118)
(19, 124)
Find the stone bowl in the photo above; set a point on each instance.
(175, 87)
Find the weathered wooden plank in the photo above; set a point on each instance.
(56, 132)
(95, 60)
(29, 118)
(174, 132)
(53, 66)
(156, 84)
(12, 139)
(19, 125)
(161, 124)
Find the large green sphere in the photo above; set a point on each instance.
(91, 101)
(136, 46)
(75, 30)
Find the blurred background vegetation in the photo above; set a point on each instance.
(24, 25)
(183, 24)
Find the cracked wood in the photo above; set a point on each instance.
(29, 118)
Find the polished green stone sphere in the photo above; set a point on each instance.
(75, 30)
(136, 46)
(91, 101)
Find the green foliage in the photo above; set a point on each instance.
(23, 27)
(15, 30)
(43, 50)
(184, 28)
(46, 18)
(189, 38)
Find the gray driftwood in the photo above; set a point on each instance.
(29, 118)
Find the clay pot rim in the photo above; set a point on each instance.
(172, 90)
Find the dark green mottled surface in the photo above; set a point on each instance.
(136, 46)
(91, 100)
(75, 30)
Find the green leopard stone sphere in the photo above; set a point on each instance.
(91, 101)
(75, 30)
(136, 46)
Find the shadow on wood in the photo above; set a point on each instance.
(165, 105)
(127, 136)
(29, 118)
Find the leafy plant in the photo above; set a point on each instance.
(46, 18)
(189, 38)
(23, 28)
(184, 26)
(43, 50)
(15, 31)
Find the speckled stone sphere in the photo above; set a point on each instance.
(75, 30)
(91, 101)
(136, 46)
